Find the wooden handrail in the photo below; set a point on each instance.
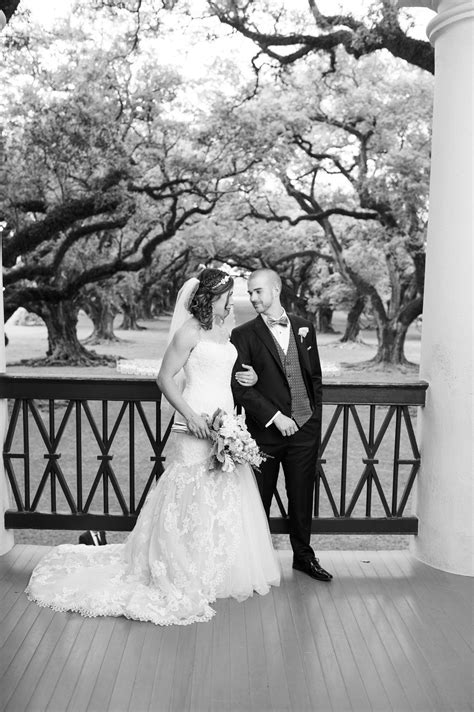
(145, 389)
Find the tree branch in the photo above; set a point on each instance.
(304, 253)
(61, 217)
(316, 216)
(356, 37)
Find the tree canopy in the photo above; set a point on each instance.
(313, 162)
(104, 160)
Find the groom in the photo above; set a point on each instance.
(283, 409)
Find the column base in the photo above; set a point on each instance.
(457, 561)
(7, 541)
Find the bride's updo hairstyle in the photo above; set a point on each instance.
(212, 283)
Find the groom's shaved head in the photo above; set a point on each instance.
(272, 277)
(264, 289)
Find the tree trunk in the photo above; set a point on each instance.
(130, 318)
(151, 301)
(294, 304)
(353, 320)
(147, 308)
(391, 343)
(325, 319)
(102, 315)
(64, 348)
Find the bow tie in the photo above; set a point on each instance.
(283, 321)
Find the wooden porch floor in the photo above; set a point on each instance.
(389, 633)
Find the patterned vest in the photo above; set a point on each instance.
(301, 409)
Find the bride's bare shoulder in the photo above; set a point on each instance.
(188, 334)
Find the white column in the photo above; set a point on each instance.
(444, 501)
(6, 536)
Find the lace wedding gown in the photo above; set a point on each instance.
(202, 534)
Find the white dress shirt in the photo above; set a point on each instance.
(281, 333)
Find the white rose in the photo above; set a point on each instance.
(303, 332)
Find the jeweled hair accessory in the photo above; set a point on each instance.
(222, 281)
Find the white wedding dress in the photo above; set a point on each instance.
(202, 534)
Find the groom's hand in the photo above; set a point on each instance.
(285, 425)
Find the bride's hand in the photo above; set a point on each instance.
(248, 377)
(197, 425)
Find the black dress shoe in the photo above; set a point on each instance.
(313, 569)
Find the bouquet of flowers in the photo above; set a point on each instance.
(232, 442)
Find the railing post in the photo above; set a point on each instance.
(6, 536)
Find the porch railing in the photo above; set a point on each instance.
(84, 453)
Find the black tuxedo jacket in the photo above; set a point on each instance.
(271, 393)
(86, 538)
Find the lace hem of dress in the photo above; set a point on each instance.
(117, 612)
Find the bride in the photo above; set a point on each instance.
(202, 534)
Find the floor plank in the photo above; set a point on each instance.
(330, 596)
(127, 671)
(239, 689)
(74, 664)
(312, 666)
(10, 559)
(13, 585)
(162, 685)
(259, 686)
(14, 634)
(90, 672)
(292, 654)
(366, 647)
(183, 669)
(38, 697)
(143, 684)
(36, 663)
(432, 576)
(28, 633)
(105, 680)
(397, 624)
(387, 634)
(201, 682)
(220, 656)
(442, 661)
(315, 596)
(369, 613)
(273, 651)
(451, 610)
